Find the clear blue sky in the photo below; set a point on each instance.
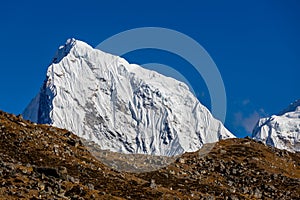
(255, 45)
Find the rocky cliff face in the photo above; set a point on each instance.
(122, 107)
(281, 131)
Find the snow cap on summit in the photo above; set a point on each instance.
(63, 50)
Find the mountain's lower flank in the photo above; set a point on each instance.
(44, 162)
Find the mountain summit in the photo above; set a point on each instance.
(281, 131)
(122, 107)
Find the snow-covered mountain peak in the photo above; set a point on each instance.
(122, 107)
(282, 130)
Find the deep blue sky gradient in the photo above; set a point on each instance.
(255, 45)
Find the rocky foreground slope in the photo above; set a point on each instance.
(43, 162)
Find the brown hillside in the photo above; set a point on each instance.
(44, 162)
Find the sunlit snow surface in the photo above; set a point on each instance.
(122, 107)
(282, 130)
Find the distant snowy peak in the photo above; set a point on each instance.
(281, 131)
(122, 107)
